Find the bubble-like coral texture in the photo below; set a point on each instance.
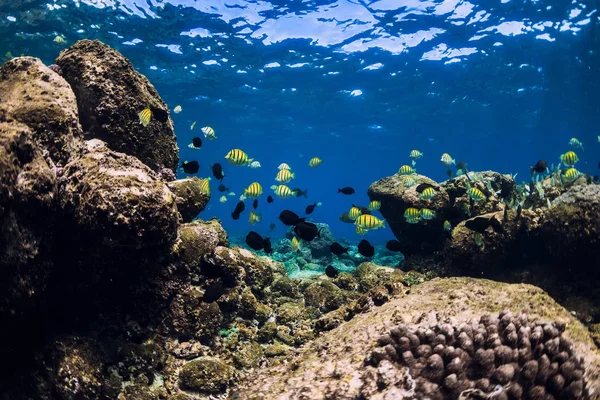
(499, 357)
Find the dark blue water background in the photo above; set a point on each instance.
(512, 82)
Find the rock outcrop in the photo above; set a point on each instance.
(110, 94)
(353, 361)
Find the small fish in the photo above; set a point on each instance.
(449, 173)
(539, 167)
(363, 210)
(427, 194)
(222, 188)
(254, 217)
(393, 245)
(345, 217)
(196, 143)
(204, 187)
(283, 166)
(232, 194)
(406, 170)
(374, 205)
(346, 190)
(315, 162)
(177, 109)
(598, 140)
(462, 165)
(310, 208)
(574, 142)
(367, 221)
(254, 164)
(307, 231)
(190, 167)
(415, 154)
(267, 248)
(272, 226)
(209, 133)
(270, 199)
(409, 181)
(354, 213)
(295, 244)
(338, 249)
(331, 272)
(254, 241)
(223, 199)
(412, 215)
(284, 176)
(299, 192)
(427, 214)
(475, 194)
(238, 157)
(193, 126)
(255, 204)
(366, 249)
(282, 191)
(569, 158)
(289, 218)
(253, 191)
(447, 160)
(59, 40)
(361, 231)
(571, 174)
(239, 207)
(217, 171)
(447, 225)
(478, 238)
(145, 116)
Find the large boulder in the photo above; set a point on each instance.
(363, 358)
(397, 193)
(115, 200)
(34, 95)
(189, 197)
(110, 94)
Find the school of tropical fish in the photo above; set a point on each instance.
(362, 217)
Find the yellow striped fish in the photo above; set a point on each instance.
(284, 176)
(569, 158)
(237, 157)
(315, 162)
(368, 221)
(412, 215)
(282, 191)
(426, 213)
(475, 194)
(295, 244)
(574, 142)
(571, 174)
(415, 154)
(409, 181)
(406, 170)
(59, 40)
(253, 191)
(427, 194)
(223, 199)
(145, 116)
(204, 187)
(361, 231)
(254, 217)
(177, 109)
(374, 205)
(283, 166)
(354, 213)
(447, 225)
(209, 133)
(447, 160)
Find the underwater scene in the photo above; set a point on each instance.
(302, 199)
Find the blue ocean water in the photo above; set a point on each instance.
(498, 84)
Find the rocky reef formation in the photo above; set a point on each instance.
(110, 94)
(442, 339)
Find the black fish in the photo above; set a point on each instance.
(363, 210)
(197, 142)
(480, 224)
(160, 114)
(366, 249)
(331, 272)
(289, 218)
(539, 167)
(462, 165)
(190, 167)
(310, 209)
(222, 188)
(235, 215)
(346, 190)
(449, 173)
(239, 207)
(272, 226)
(306, 231)
(338, 249)
(255, 204)
(423, 186)
(393, 245)
(299, 192)
(346, 218)
(270, 199)
(267, 246)
(217, 171)
(255, 241)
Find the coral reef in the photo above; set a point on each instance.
(189, 198)
(110, 94)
